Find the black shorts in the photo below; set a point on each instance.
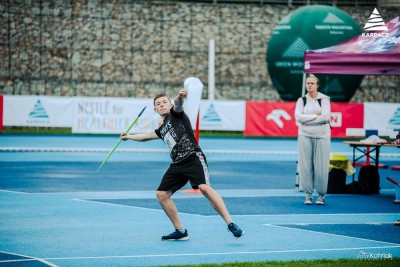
(193, 169)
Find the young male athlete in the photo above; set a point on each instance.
(188, 163)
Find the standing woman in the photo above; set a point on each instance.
(312, 115)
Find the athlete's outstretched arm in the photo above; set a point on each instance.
(139, 137)
(179, 100)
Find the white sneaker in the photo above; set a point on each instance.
(308, 200)
(320, 200)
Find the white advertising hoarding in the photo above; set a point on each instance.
(222, 115)
(113, 115)
(382, 116)
(110, 115)
(37, 111)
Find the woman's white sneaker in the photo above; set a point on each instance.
(320, 200)
(308, 200)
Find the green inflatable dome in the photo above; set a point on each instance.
(309, 28)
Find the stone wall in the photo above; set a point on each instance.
(138, 49)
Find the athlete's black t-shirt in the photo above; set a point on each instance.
(177, 133)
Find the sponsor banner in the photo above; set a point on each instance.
(38, 111)
(113, 115)
(343, 116)
(270, 119)
(277, 118)
(382, 116)
(222, 115)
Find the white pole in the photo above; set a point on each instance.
(211, 69)
(303, 86)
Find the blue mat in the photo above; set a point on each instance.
(273, 205)
(40, 177)
(11, 260)
(367, 231)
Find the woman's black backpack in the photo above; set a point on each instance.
(369, 175)
(368, 182)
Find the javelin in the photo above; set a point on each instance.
(393, 181)
(119, 141)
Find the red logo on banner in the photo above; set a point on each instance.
(270, 119)
(277, 118)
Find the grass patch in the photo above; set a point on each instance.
(35, 130)
(53, 130)
(221, 134)
(305, 263)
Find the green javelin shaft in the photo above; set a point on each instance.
(119, 141)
